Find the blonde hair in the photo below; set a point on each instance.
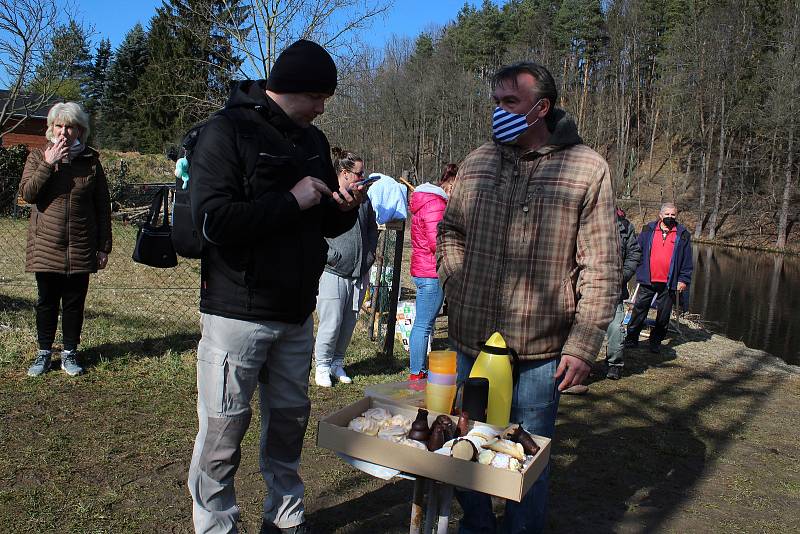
(72, 114)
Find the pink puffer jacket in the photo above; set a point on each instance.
(427, 209)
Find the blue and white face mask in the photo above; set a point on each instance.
(507, 126)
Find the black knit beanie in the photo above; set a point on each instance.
(304, 67)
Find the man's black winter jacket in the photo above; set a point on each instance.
(264, 256)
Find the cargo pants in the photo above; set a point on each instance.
(230, 357)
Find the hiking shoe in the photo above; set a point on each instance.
(631, 343)
(41, 364)
(322, 377)
(270, 528)
(614, 372)
(69, 362)
(340, 375)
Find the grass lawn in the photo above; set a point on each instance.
(701, 438)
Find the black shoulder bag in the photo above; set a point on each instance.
(154, 243)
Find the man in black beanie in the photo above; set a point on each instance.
(265, 196)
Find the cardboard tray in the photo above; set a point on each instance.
(333, 434)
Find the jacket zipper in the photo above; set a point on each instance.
(498, 288)
(502, 257)
(69, 241)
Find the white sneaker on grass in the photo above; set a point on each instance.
(41, 364)
(340, 375)
(69, 362)
(322, 377)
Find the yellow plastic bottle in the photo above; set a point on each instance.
(494, 363)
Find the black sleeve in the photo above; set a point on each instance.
(220, 208)
(633, 256)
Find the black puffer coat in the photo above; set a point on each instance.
(264, 255)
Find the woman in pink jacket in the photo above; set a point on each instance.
(427, 208)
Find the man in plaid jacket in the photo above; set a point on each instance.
(529, 247)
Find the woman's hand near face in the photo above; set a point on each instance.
(56, 152)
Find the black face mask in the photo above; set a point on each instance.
(670, 222)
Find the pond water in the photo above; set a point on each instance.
(750, 296)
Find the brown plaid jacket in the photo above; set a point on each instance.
(529, 247)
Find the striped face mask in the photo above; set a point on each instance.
(507, 126)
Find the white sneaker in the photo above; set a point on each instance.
(339, 373)
(322, 377)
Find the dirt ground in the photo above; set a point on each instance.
(701, 438)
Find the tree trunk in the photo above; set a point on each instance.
(712, 222)
(783, 220)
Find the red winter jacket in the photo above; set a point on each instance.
(427, 209)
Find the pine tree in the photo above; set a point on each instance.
(118, 118)
(192, 64)
(98, 73)
(68, 64)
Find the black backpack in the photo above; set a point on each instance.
(186, 238)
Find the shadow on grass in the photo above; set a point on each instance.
(639, 359)
(378, 364)
(634, 478)
(140, 348)
(386, 509)
(101, 324)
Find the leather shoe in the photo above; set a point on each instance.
(614, 372)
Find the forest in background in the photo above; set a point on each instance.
(689, 100)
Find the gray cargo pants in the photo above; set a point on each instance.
(229, 357)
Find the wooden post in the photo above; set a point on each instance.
(397, 266)
(417, 504)
(373, 308)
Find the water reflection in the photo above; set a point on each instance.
(748, 295)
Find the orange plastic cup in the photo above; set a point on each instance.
(439, 398)
(442, 361)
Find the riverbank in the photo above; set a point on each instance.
(700, 438)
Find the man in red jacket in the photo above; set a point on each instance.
(665, 272)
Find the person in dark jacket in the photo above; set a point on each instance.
(344, 281)
(265, 196)
(631, 258)
(665, 272)
(69, 235)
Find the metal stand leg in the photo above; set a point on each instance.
(416, 505)
(445, 499)
(430, 512)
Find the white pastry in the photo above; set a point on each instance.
(398, 420)
(514, 464)
(394, 433)
(486, 456)
(377, 414)
(364, 425)
(506, 447)
(414, 443)
(501, 460)
(448, 444)
(484, 432)
(478, 441)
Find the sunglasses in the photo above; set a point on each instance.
(360, 173)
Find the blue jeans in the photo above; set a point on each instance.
(535, 405)
(429, 299)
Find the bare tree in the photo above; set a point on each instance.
(274, 24)
(27, 28)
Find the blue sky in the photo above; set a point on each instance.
(113, 18)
